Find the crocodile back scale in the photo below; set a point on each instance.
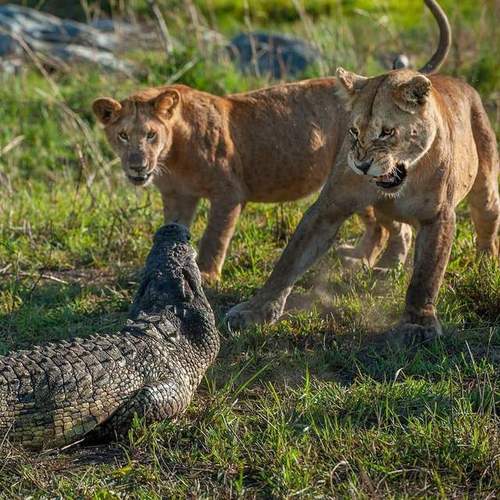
(55, 394)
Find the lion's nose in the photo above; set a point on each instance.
(365, 166)
(137, 162)
(138, 165)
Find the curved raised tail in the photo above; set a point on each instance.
(439, 56)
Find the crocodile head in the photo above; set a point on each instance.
(171, 278)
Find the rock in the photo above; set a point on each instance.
(61, 39)
(111, 26)
(32, 24)
(262, 53)
(401, 61)
(9, 47)
(74, 54)
(393, 60)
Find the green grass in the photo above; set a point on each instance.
(310, 407)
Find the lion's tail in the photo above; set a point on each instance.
(439, 56)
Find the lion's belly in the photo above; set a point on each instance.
(278, 174)
(287, 184)
(272, 182)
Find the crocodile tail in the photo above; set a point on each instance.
(439, 56)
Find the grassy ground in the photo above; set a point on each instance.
(310, 407)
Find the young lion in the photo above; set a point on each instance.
(272, 145)
(417, 146)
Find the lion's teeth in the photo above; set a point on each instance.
(384, 178)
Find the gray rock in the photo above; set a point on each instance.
(9, 46)
(32, 24)
(262, 53)
(401, 61)
(74, 54)
(112, 26)
(62, 39)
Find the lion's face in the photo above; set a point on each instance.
(140, 132)
(392, 126)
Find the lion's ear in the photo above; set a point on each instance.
(410, 95)
(165, 103)
(350, 84)
(106, 109)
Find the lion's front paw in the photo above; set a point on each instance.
(408, 334)
(253, 312)
(210, 278)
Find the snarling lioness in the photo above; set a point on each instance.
(272, 145)
(416, 146)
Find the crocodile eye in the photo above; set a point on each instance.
(151, 136)
(123, 136)
(354, 132)
(387, 132)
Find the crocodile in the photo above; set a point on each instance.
(92, 388)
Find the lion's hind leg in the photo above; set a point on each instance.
(483, 197)
(369, 246)
(398, 246)
(385, 243)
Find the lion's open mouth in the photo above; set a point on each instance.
(392, 179)
(138, 180)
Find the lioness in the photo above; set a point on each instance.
(417, 145)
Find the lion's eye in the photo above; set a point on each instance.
(354, 132)
(151, 136)
(387, 132)
(123, 136)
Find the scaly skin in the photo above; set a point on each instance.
(53, 395)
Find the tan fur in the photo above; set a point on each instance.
(437, 127)
(272, 145)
